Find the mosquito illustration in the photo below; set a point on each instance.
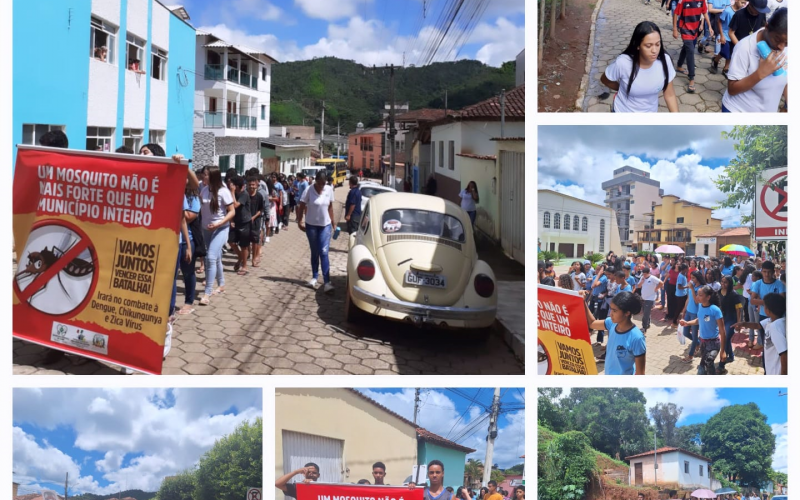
(40, 261)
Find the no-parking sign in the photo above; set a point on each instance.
(253, 494)
(770, 203)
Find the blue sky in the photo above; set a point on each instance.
(117, 439)
(367, 31)
(441, 412)
(576, 160)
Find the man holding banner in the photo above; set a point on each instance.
(310, 472)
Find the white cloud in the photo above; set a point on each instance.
(259, 9)
(693, 400)
(780, 459)
(330, 10)
(166, 438)
(503, 41)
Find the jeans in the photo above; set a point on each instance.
(648, 306)
(693, 332)
(753, 311)
(189, 276)
(174, 295)
(215, 240)
(728, 340)
(663, 296)
(319, 239)
(600, 312)
(472, 214)
(687, 54)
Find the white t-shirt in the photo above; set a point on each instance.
(467, 202)
(643, 97)
(775, 5)
(774, 344)
(765, 97)
(317, 205)
(224, 198)
(576, 281)
(746, 287)
(649, 285)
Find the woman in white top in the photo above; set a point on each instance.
(641, 72)
(216, 212)
(469, 197)
(752, 86)
(316, 205)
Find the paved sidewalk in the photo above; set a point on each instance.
(615, 23)
(269, 322)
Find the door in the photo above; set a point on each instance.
(566, 249)
(552, 247)
(580, 250)
(300, 449)
(512, 204)
(637, 474)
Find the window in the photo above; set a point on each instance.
(135, 53)
(685, 466)
(99, 138)
(132, 138)
(224, 163)
(633, 201)
(32, 133)
(451, 155)
(441, 154)
(631, 216)
(546, 221)
(159, 69)
(423, 222)
(602, 236)
(212, 104)
(658, 222)
(575, 223)
(239, 164)
(557, 221)
(585, 225)
(701, 471)
(566, 222)
(631, 231)
(103, 41)
(264, 74)
(633, 186)
(680, 220)
(706, 222)
(264, 112)
(159, 137)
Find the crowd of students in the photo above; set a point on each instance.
(711, 300)
(434, 490)
(751, 37)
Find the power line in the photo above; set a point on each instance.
(462, 414)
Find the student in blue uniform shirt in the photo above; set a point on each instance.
(599, 290)
(625, 354)
(712, 330)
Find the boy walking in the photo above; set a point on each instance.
(688, 20)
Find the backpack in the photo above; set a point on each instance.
(196, 227)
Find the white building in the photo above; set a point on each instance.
(575, 227)
(676, 467)
(288, 156)
(632, 194)
(231, 103)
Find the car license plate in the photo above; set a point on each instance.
(422, 279)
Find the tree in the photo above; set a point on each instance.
(759, 147)
(563, 9)
(180, 487)
(232, 465)
(688, 437)
(553, 11)
(779, 478)
(565, 467)
(551, 415)
(740, 444)
(615, 420)
(496, 475)
(515, 470)
(665, 416)
(474, 469)
(542, 4)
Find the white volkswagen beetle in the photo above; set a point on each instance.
(413, 259)
(370, 189)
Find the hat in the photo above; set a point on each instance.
(760, 5)
(586, 262)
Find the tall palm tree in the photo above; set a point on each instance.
(474, 469)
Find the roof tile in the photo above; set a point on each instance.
(669, 449)
(490, 108)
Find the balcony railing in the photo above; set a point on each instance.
(213, 72)
(233, 75)
(232, 120)
(217, 72)
(241, 121)
(212, 119)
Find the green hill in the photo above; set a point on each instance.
(137, 494)
(355, 93)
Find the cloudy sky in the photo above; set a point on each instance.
(367, 31)
(576, 160)
(440, 413)
(117, 439)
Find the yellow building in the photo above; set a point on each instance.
(677, 222)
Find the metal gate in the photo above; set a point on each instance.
(300, 449)
(512, 204)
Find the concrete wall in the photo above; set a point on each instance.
(556, 203)
(340, 414)
(671, 470)
(180, 87)
(102, 96)
(453, 461)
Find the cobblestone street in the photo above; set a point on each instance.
(615, 23)
(270, 322)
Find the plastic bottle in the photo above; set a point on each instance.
(764, 49)
(336, 232)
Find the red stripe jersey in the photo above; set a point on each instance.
(690, 17)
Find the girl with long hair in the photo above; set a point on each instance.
(690, 312)
(216, 211)
(641, 73)
(469, 197)
(731, 306)
(626, 342)
(712, 330)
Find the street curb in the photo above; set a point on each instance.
(589, 56)
(515, 342)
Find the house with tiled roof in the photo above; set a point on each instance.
(709, 243)
(484, 143)
(671, 467)
(344, 431)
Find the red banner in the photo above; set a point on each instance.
(96, 237)
(321, 491)
(564, 344)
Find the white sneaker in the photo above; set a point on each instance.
(168, 340)
(328, 288)
(313, 283)
(266, 240)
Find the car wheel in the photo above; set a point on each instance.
(351, 311)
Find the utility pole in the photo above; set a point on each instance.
(392, 130)
(655, 456)
(66, 487)
(445, 103)
(487, 464)
(338, 131)
(322, 134)
(416, 404)
(502, 112)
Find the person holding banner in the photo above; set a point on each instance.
(379, 472)
(216, 210)
(626, 342)
(436, 490)
(310, 472)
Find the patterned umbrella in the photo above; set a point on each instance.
(737, 250)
